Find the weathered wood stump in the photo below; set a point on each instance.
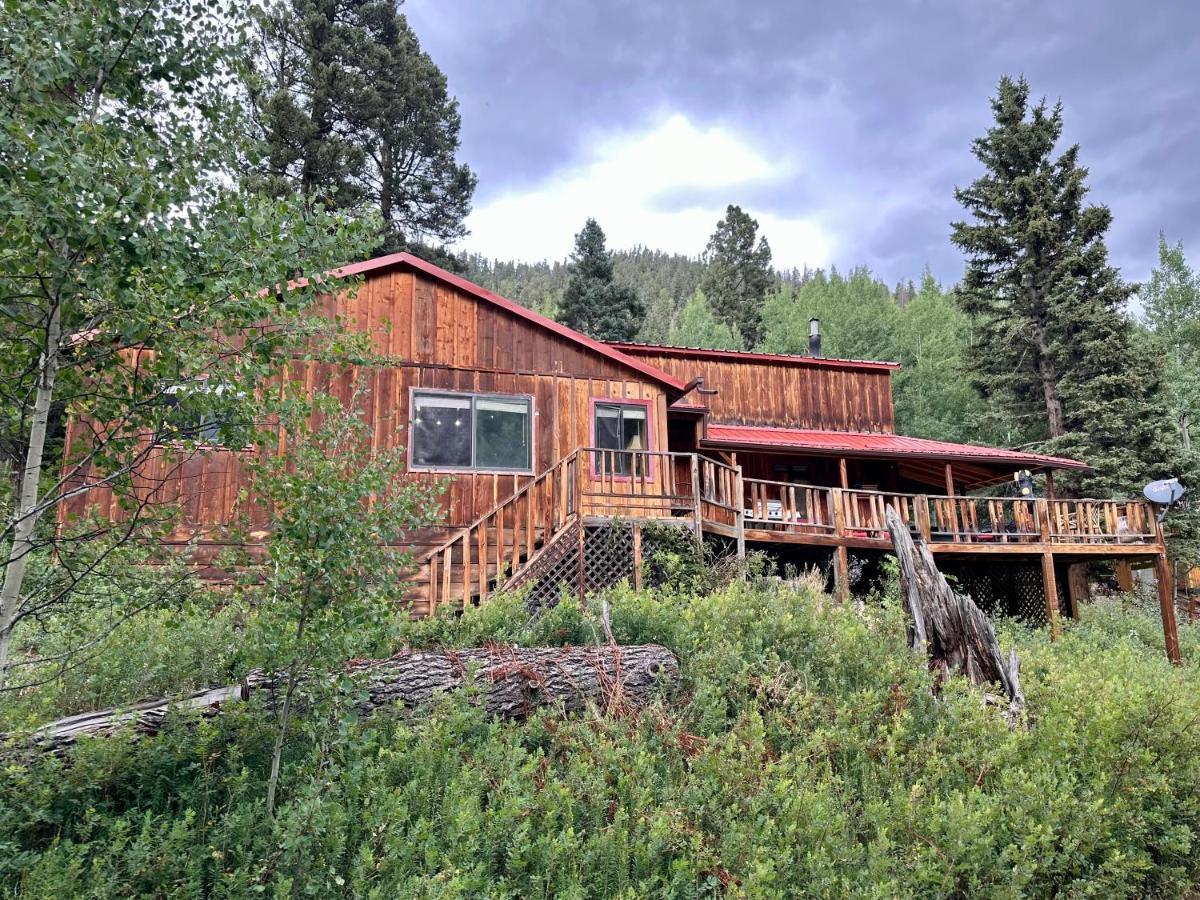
(956, 634)
(513, 681)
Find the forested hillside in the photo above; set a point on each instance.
(917, 325)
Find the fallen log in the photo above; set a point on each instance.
(956, 634)
(513, 682)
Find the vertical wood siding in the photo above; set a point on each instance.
(789, 395)
(429, 335)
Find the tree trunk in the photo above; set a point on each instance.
(955, 633)
(514, 681)
(26, 522)
(1049, 378)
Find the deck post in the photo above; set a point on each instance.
(841, 556)
(739, 497)
(1166, 595)
(843, 473)
(699, 521)
(1166, 603)
(1050, 585)
(1124, 572)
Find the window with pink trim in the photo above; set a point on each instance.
(621, 427)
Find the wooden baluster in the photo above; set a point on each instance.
(481, 555)
(431, 598)
(952, 510)
(499, 526)
(921, 505)
(530, 530)
(447, 571)
(467, 573)
(516, 537)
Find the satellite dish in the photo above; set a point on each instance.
(1165, 492)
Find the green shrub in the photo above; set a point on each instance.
(805, 755)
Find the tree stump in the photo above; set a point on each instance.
(957, 635)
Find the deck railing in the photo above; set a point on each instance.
(636, 483)
(501, 540)
(779, 504)
(649, 484)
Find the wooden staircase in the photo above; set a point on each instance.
(504, 546)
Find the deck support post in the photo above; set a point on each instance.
(841, 574)
(637, 556)
(841, 556)
(1124, 573)
(1166, 603)
(739, 498)
(699, 521)
(582, 564)
(1050, 585)
(1077, 587)
(843, 473)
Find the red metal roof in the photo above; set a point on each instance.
(749, 356)
(609, 351)
(858, 443)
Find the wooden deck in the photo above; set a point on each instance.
(671, 485)
(546, 521)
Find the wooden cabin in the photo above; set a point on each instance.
(560, 450)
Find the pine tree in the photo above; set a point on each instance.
(738, 273)
(1050, 338)
(697, 326)
(354, 114)
(594, 303)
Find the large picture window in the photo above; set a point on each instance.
(472, 431)
(621, 426)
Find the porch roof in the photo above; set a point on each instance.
(874, 445)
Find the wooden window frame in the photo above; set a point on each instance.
(649, 448)
(414, 392)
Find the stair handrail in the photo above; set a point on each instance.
(429, 560)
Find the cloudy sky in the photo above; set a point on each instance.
(843, 127)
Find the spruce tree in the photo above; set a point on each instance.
(594, 303)
(738, 273)
(1050, 338)
(355, 115)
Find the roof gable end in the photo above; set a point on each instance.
(382, 263)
